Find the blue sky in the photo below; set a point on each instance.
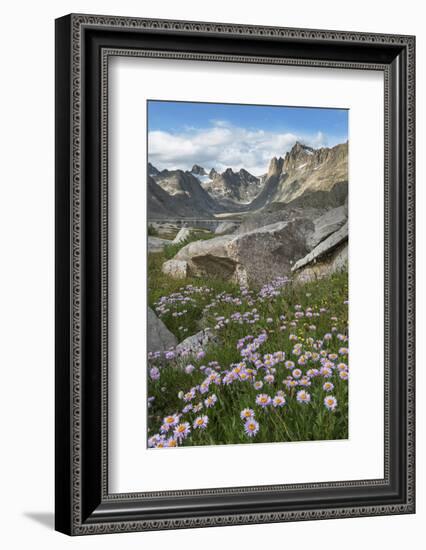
(217, 135)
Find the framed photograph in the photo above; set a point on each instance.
(233, 205)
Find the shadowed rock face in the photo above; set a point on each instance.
(214, 266)
(334, 260)
(159, 336)
(178, 194)
(327, 224)
(324, 247)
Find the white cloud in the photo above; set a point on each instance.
(224, 146)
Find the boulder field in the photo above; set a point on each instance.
(307, 247)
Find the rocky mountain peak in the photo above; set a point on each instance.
(198, 170)
(152, 170)
(275, 166)
(238, 187)
(298, 156)
(299, 147)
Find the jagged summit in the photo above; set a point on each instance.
(239, 187)
(198, 170)
(275, 167)
(303, 170)
(299, 147)
(152, 170)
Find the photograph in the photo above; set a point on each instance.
(247, 273)
(205, 206)
(234, 203)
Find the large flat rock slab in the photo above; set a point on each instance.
(324, 248)
(327, 224)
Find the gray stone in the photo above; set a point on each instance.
(159, 336)
(327, 224)
(164, 228)
(196, 342)
(265, 253)
(177, 269)
(226, 227)
(155, 244)
(254, 257)
(324, 248)
(325, 266)
(278, 213)
(183, 235)
(208, 258)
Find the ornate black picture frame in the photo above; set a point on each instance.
(83, 45)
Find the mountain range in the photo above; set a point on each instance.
(301, 172)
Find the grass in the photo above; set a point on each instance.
(288, 316)
(160, 285)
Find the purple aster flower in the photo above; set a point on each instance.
(297, 373)
(201, 422)
(263, 399)
(171, 420)
(154, 373)
(189, 369)
(182, 430)
(343, 374)
(303, 397)
(246, 414)
(278, 401)
(189, 396)
(251, 427)
(330, 402)
(210, 400)
(269, 378)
